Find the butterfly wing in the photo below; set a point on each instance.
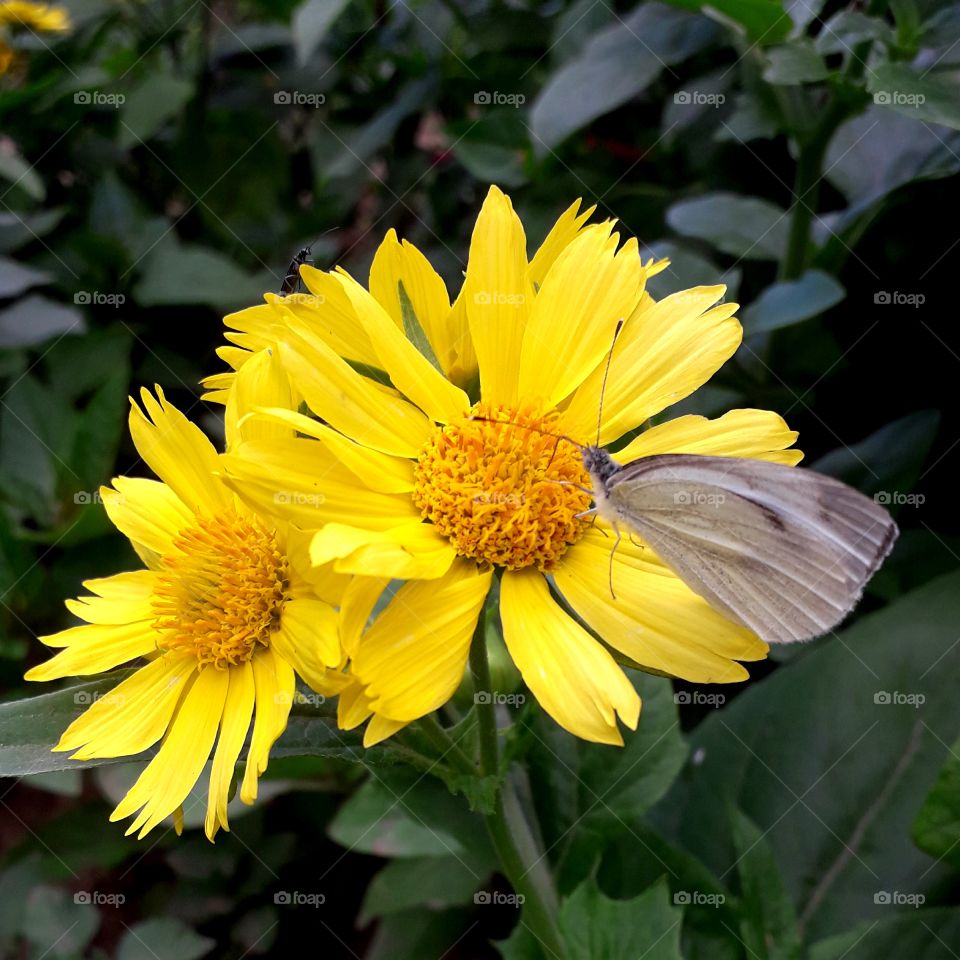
(785, 552)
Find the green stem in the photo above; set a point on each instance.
(516, 847)
(447, 748)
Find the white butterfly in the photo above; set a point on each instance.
(784, 551)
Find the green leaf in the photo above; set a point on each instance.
(433, 882)
(593, 926)
(20, 173)
(35, 319)
(792, 301)
(30, 728)
(888, 460)
(158, 97)
(919, 935)
(399, 813)
(846, 28)
(19, 229)
(417, 933)
(747, 227)
(163, 938)
(895, 86)
(828, 757)
(310, 23)
(763, 21)
(413, 330)
(794, 63)
(59, 923)
(187, 274)
(768, 919)
(937, 827)
(613, 68)
(16, 278)
(751, 119)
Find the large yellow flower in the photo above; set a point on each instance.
(226, 613)
(447, 472)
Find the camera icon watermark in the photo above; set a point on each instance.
(888, 498)
(97, 98)
(486, 898)
(890, 98)
(699, 698)
(495, 98)
(697, 898)
(97, 898)
(298, 498)
(485, 298)
(898, 698)
(297, 98)
(698, 498)
(296, 898)
(282, 698)
(896, 898)
(96, 298)
(502, 699)
(898, 298)
(697, 98)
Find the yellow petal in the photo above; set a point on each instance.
(353, 706)
(261, 382)
(463, 367)
(172, 773)
(307, 580)
(93, 648)
(134, 715)
(328, 312)
(760, 434)
(349, 402)
(380, 728)
(561, 234)
(573, 678)
(377, 471)
(409, 370)
(299, 481)
(237, 713)
(308, 640)
(275, 686)
(359, 599)
(146, 511)
(413, 657)
(411, 551)
(122, 598)
(656, 619)
(396, 263)
(498, 296)
(178, 453)
(665, 351)
(590, 287)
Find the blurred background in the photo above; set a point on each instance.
(160, 164)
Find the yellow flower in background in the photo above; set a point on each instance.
(448, 472)
(226, 613)
(34, 16)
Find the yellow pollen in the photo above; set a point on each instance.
(221, 591)
(501, 492)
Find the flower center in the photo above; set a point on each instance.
(222, 590)
(500, 488)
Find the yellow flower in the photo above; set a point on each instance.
(34, 16)
(225, 614)
(431, 480)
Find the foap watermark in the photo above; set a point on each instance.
(699, 497)
(699, 698)
(98, 98)
(503, 499)
(297, 98)
(97, 298)
(485, 298)
(487, 898)
(497, 98)
(282, 698)
(898, 298)
(897, 898)
(897, 698)
(298, 498)
(98, 898)
(86, 698)
(895, 498)
(495, 697)
(697, 898)
(900, 98)
(697, 98)
(297, 898)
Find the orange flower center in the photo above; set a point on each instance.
(222, 590)
(500, 485)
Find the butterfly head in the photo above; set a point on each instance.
(599, 464)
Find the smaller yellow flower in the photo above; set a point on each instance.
(34, 16)
(226, 614)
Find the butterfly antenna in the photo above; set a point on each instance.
(606, 373)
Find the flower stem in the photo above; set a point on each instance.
(514, 841)
(446, 747)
